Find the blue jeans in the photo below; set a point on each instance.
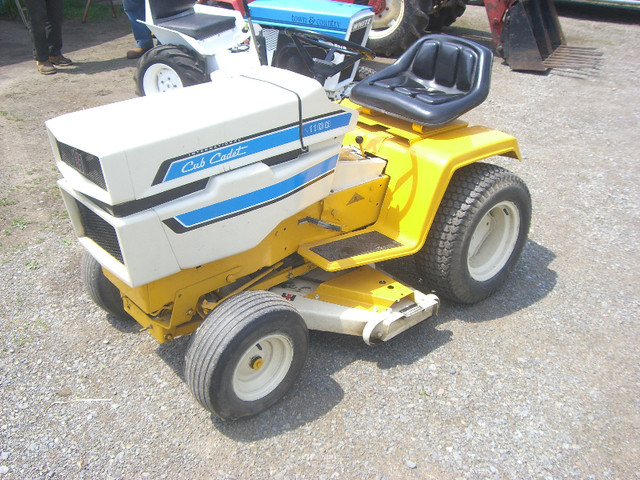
(135, 10)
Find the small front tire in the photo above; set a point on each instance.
(246, 355)
(478, 233)
(104, 293)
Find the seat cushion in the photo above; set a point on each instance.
(199, 25)
(436, 80)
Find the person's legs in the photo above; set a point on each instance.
(54, 27)
(37, 10)
(135, 10)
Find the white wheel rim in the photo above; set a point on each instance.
(385, 22)
(262, 367)
(493, 241)
(159, 78)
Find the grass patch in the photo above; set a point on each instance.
(20, 223)
(99, 10)
(73, 10)
(32, 265)
(9, 116)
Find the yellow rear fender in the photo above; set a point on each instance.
(420, 164)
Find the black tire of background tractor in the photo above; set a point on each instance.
(221, 367)
(185, 63)
(364, 72)
(474, 191)
(100, 289)
(410, 26)
(446, 14)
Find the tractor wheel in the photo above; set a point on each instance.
(168, 67)
(247, 354)
(446, 14)
(100, 289)
(400, 24)
(477, 235)
(364, 72)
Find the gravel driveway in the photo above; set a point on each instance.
(540, 381)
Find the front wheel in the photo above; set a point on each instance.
(247, 354)
(168, 67)
(104, 293)
(477, 235)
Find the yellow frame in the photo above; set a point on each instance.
(401, 206)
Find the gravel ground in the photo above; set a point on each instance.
(540, 381)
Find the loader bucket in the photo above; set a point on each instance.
(532, 39)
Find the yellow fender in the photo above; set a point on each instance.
(420, 164)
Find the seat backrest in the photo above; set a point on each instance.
(169, 8)
(448, 65)
(436, 80)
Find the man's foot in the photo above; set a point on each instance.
(46, 68)
(60, 60)
(137, 52)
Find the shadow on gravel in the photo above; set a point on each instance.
(15, 43)
(94, 67)
(316, 392)
(531, 281)
(479, 36)
(124, 325)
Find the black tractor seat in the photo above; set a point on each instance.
(435, 81)
(180, 16)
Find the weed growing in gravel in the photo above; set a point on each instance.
(9, 116)
(32, 265)
(20, 223)
(21, 340)
(5, 202)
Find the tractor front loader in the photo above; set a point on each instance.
(256, 209)
(528, 36)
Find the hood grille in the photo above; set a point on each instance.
(85, 163)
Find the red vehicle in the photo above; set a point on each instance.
(526, 33)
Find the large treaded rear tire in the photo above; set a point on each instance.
(168, 67)
(246, 355)
(477, 235)
(396, 28)
(446, 14)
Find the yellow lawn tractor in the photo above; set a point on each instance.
(245, 211)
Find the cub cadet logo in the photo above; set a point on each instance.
(78, 161)
(315, 22)
(194, 165)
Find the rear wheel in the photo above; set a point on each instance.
(446, 14)
(477, 235)
(247, 354)
(104, 293)
(398, 25)
(168, 67)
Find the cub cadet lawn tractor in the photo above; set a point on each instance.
(256, 210)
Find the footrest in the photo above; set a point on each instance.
(350, 250)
